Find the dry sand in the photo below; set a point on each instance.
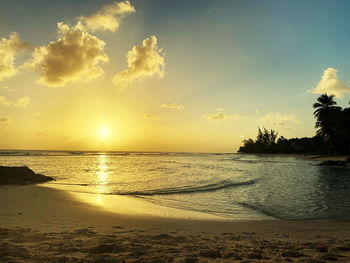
(40, 224)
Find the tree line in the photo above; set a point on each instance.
(332, 134)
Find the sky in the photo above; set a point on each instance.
(161, 75)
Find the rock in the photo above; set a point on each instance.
(333, 163)
(20, 175)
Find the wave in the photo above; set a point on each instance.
(189, 189)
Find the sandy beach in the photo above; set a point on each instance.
(41, 224)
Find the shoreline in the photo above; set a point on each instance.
(315, 157)
(64, 229)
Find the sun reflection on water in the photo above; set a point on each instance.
(102, 176)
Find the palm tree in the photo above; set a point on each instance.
(325, 115)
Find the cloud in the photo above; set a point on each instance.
(74, 57)
(21, 102)
(9, 49)
(5, 120)
(108, 17)
(173, 106)
(143, 62)
(280, 119)
(331, 85)
(151, 117)
(221, 116)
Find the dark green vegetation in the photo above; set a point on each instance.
(21, 175)
(332, 135)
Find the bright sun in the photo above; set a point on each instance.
(104, 132)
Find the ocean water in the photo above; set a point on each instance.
(231, 186)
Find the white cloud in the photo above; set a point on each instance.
(143, 62)
(21, 102)
(9, 49)
(108, 17)
(5, 120)
(331, 85)
(74, 57)
(221, 116)
(173, 106)
(279, 119)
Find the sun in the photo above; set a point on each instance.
(104, 132)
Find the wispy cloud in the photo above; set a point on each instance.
(21, 102)
(108, 17)
(9, 50)
(279, 119)
(143, 62)
(221, 116)
(173, 106)
(331, 85)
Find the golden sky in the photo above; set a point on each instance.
(155, 76)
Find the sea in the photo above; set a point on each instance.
(230, 186)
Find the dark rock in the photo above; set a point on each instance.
(333, 163)
(20, 175)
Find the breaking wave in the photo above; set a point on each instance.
(189, 189)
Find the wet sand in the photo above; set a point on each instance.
(41, 224)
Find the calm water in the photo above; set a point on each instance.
(229, 185)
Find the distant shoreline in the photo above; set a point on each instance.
(316, 157)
